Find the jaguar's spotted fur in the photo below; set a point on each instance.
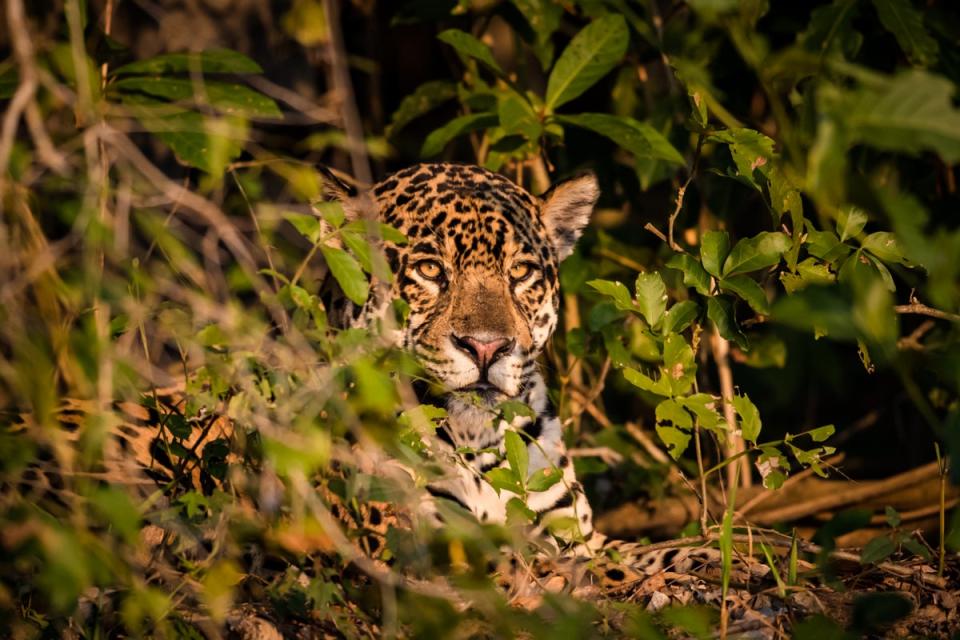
(479, 273)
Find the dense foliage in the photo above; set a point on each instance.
(772, 278)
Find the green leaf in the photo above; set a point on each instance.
(749, 417)
(893, 517)
(615, 291)
(751, 150)
(427, 96)
(905, 22)
(704, 408)
(639, 138)
(517, 116)
(679, 366)
(519, 513)
(504, 479)
(660, 387)
(850, 222)
(673, 427)
(544, 18)
(543, 479)
(439, 138)
(720, 312)
(877, 550)
(516, 453)
(885, 246)
(590, 55)
(307, 225)
(680, 316)
(747, 289)
(825, 245)
(759, 252)
(213, 61)
(820, 434)
(468, 46)
(694, 275)
(651, 297)
(912, 111)
(227, 97)
(809, 272)
(714, 247)
(347, 272)
(509, 410)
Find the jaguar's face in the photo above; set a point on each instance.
(479, 269)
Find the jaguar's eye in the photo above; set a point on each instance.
(521, 271)
(429, 269)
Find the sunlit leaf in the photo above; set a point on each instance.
(759, 252)
(680, 316)
(517, 455)
(651, 297)
(714, 248)
(748, 290)
(639, 138)
(347, 272)
(694, 275)
(590, 55)
(749, 417)
(439, 138)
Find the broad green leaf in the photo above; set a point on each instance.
(748, 290)
(615, 291)
(439, 138)
(673, 427)
(759, 252)
(307, 225)
(589, 56)
(227, 97)
(912, 111)
(213, 61)
(467, 45)
(751, 150)
(694, 275)
(820, 434)
(660, 387)
(704, 407)
(197, 140)
(885, 246)
(809, 272)
(544, 18)
(651, 297)
(426, 97)
(714, 247)
(769, 464)
(877, 550)
(639, 138)
(347, 272)
(543, 479)
(680, 316)
(830, 27)
(517, 116)
(509, 410)
(850, 222)
(720, 312)
(678, 364)
(825, 245)
(749, 417)
(504, 479)
(905, 22)
(519, 513)
(517, 455)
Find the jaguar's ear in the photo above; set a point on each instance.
(566, 210)
(356, 203)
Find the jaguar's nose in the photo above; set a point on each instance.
(483, 351)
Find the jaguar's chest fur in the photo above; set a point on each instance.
(479, 274)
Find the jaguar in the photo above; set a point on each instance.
(479, 273)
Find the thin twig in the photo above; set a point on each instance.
(681, 192)
(918, 308)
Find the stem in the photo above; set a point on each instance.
(735, 444)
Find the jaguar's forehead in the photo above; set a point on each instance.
(467, 211)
